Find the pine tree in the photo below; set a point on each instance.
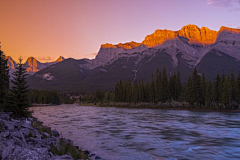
(217, 90)
(158, 86)
(128, 91)
(238, 87)
(233, 89)
(135, 92)
(196, 88)
(4, 80)
(208, 92)
(164, 86)
(152, 90)
(203, 88)
(225, 92)
(190, 91)
(20, 92)
(178, 86)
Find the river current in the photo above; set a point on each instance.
(146, 134)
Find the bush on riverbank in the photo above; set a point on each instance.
(66, 147)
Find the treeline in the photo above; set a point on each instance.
(198, 92)
(44, 97)
(98, 96)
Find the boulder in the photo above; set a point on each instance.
(11, 125)
(4, 134)
(55, 133)
(25, 153)
(8, 149)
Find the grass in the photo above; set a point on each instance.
(31, 135)
(65, 148)
(41, 128)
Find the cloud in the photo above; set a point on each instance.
(90, 55)
(209, 2)
(44, 58)
(230, 5)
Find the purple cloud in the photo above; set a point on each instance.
(230, 5)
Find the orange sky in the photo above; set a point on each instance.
(47, 29)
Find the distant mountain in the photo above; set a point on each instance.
(210, 51)
(32, 65)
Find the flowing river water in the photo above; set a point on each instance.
(145, 134)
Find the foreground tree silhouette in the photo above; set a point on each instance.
(19, 92)
(4, 79)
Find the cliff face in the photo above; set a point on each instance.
(198, 36)
(32, 65)
(193, 34)
(11, 63)
(191, 39)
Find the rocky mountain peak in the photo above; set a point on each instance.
(198, 36)
(227, 29)
(128, 45)
(11, 63)
(60, 59)
(158, 38)
(31, 64)
(108, 45)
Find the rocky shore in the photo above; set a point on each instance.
(27, 138)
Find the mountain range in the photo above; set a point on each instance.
(210, 51)
(32, 65)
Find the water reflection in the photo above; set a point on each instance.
(121, 133)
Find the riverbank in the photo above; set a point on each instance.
(27, 138)
(173, 106)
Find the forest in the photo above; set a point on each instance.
(198, 92)
(44, 97)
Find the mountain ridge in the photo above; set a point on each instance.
(210, 51)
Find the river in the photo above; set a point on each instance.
(146, 134)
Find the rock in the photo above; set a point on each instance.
(91, 155)
(25, 153)
(55, 133)
(97, 157)
(86, 152)
(16, 134)
(15, 120)
(27, 125)
(8, 150)
(16, 142)
(4, 116)
(4, 134)
(25, 131)
(11, 125)
(45, 134)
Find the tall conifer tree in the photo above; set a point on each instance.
(20, 91)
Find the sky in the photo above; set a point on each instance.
(47, 29)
